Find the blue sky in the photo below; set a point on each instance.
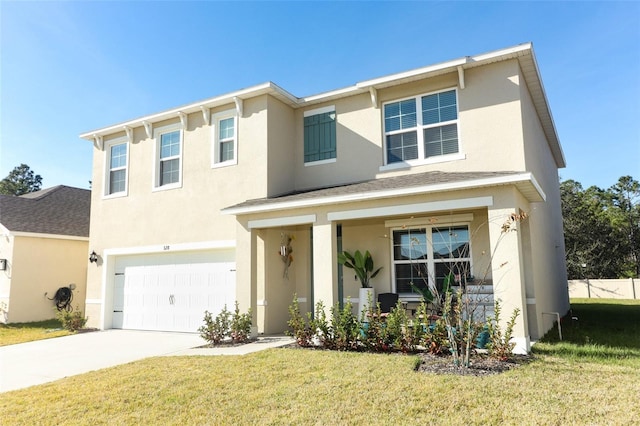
(70, 67)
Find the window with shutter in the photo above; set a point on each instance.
(319, 135)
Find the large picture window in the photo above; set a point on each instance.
(428, 255)
(422, 127)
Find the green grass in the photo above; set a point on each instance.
(10, 334)
(573, 382)
(606, 330)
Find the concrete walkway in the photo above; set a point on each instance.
(43, 361)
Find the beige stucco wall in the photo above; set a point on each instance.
(6, 252)
(190, 214)
(545, 223)
(38, 267)
(281, 160)
(490, 123)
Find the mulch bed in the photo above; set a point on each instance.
(480, 365)
(225, 344)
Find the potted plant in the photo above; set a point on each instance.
(362, 265)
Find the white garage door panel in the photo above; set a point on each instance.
(171, 297)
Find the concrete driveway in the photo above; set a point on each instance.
(43, 361)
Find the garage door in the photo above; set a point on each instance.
(172, 292)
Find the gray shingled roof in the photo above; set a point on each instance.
(376, 185)
(59, 210)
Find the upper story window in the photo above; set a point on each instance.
(320, 135)
(168, 173)
(225, 140)
(116, 153)
(421, 128)
(428, 255)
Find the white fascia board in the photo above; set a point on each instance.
(282, 221)
(334, 94)
(410, 74)
(253, 91)
(452, 66)
(537, 187)
(433, 206)
(168, 248)
(51, 236)
(548, 121)
(4, 230)
(365, 196)
(506, 52)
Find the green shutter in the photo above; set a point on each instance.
(320, 137)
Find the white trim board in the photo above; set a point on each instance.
(167, 248)
(282, 221)
(464, 203)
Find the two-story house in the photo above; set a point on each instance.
(251, 195)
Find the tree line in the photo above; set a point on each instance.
(602, 229)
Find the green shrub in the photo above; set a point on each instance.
(345, 327)
(215, 330)
(240, 330)
(500, 345)
(299, 327)
(71, 320)
(321, 328)
(373, 336)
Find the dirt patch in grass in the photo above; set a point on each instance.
(480, 365)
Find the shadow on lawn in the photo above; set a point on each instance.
(602, 331)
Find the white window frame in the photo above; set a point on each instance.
(157, 135)
(216, 142)
(419, 129)
(317, 111)
(428, 226)
(108, 169)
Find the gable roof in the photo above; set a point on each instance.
(418, 183)
(523, 53)
(59, 210)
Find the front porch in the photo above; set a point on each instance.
(417, 238)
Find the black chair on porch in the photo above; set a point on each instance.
(387, 301)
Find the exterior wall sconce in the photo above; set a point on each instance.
(3, 264)
(93, 257)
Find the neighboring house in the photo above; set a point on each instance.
(191, 206)
(44, 240)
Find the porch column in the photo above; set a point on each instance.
(507, 265)
(246, 275)
(325, 260)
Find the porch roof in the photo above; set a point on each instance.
(412, 184)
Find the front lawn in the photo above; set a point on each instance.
(297, 386)
(10, 334)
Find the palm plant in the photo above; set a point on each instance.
(362, 264)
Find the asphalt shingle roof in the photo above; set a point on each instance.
(374, 185)
(59, 210)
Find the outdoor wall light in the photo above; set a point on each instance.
(93, 257)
